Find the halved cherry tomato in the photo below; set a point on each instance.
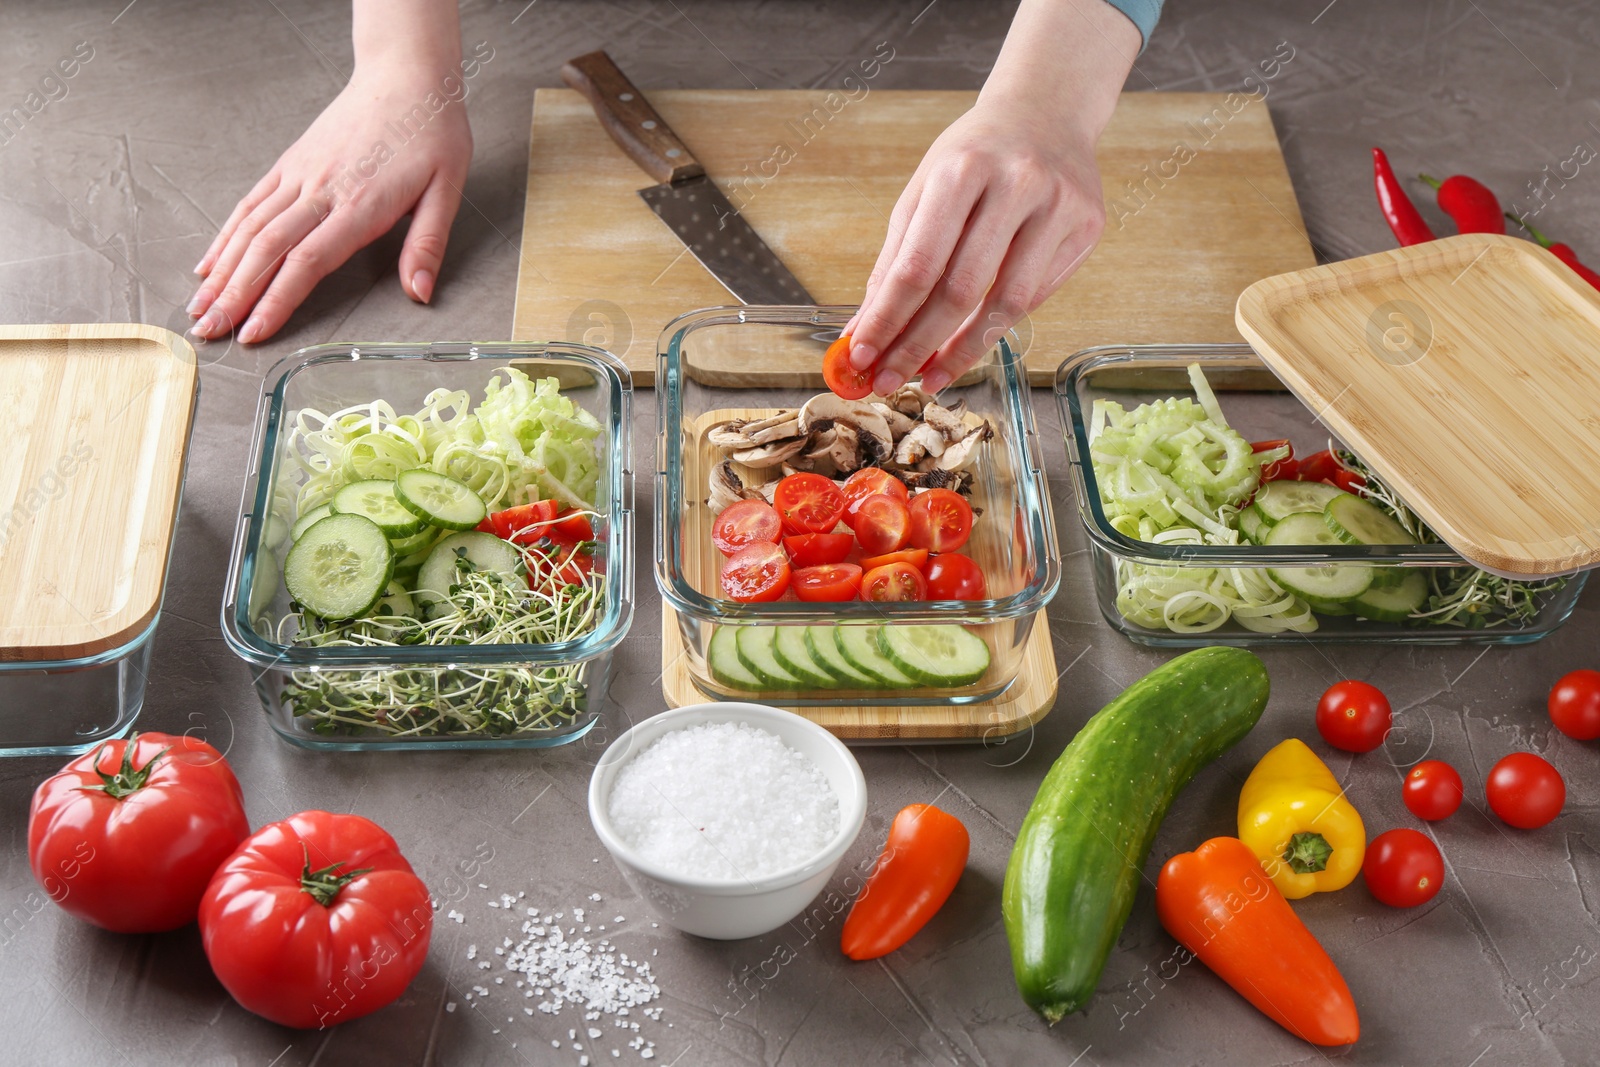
(952, 576)
(558, 568)
(883, 524)
(1317, 466)
(829, 581)
(809, 503)
(744, 523)
(570, 528)
(524, 523)
(756, 573)
(813, 550)
(894, 582)
(1278, 468)
(1348, 480)
(842, 378)
(864, 483)
(941, 520)
(917, 557)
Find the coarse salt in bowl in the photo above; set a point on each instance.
(727, 818)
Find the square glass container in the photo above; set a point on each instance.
(423, 696)
(1013, 538)
(1463, 606)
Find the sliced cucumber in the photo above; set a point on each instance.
(825, 654)
(339, 567)
(303, 523)
(1253, 525)
(374, 499)
(1359, 522)
(755, 648)
(789, 646)
(1279, 500)
(417, 544)
(1329, 587)
(1393, 602)
(944, 655)
(396, 601)
(722, 657)
(859, 646)
(274, 531)
(484, 551)
(440, 500)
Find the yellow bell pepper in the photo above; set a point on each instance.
(1295, 818)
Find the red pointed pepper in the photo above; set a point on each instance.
(1470, 203)
(1398, 210)
(920, 866)
(1561, 251)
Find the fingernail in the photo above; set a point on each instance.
(887, 382)
(208, 322)
(862, 356)
(250, 330)
(201, 301)
(203, 266)
(935, 380)
(422, 285)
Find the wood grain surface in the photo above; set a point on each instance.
(1199, 206)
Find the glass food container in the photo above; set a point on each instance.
(345, 695)
(100, 417)
(701, 381)
(1134, 578)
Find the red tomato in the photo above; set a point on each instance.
(127, 836)
(867, 481)
(917, 557)
(562, 566)
(842, 378)
(1348, 480)
(1575, 705)
(745, 522)
(525, 523)
(809, 503)
(883, 524)
(1432, 790)
(941, 520)
(894, 582)
(1317, 466)
(1354, 716)
(1280, 468)
(829, 581)
(952, 576)
(811, 550)
(1525, 791)
(1403, 868)
(571, 527)
(316, 920)
(756, 573)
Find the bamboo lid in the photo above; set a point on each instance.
(95, 422)
(1466, 373)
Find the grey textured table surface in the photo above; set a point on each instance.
(109, 195)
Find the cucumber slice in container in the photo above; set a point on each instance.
(1359, 522)
(1330, 587)
(942, 655)
(375, 499)
(755, 648)
(396, 601)
(1253, 525)
(789, 647)
(340, 567)
(1279, 500)
(722, 658)
(416, 545)
(859, 646)
(440, 500)
(1394, 601)
(484, 551)
(825, 654)
(303, 523)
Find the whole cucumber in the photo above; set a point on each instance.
(1076, 865)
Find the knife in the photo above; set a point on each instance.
(694, 209)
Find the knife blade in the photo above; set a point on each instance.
(686, 199)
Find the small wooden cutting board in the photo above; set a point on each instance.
(1199, 206)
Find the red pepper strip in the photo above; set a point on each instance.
(1398, 210)
(1563, 252)
(1470, 203)
(926, 853)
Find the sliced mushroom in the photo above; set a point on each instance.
(922, 441)
(730, 434)
(909, 399)
(770, 455)
(877, 443)
(727, 488)
(780, 427)
(918, 480)
(946, 422)
(836, 450)
(960, 454)
(900, 423)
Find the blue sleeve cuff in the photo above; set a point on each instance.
(1142, 13)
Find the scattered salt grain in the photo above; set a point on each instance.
(595, 896)
(450, 1006)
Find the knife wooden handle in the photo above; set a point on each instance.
(629, 118)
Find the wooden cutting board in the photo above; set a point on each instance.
(1199, 206)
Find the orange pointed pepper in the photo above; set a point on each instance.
(919, 867)
(1220, 905)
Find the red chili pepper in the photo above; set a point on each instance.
(1470, 203)
(1561, 251)
(1398, 210)
(926, 853)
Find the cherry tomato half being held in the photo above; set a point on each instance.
(864, 483)
(1525, 791)
(827, 582)
(1575, 705)
(840, 376)
(941, 520)
(745, 522)
(1432, 790)
(894, 582)
(316, 920)
(916, 873)
(127, 836)
(1354, 716)
(917, 557)
(1403, 868)
(811, 550)
(756, 573)
(883, 524)
(809, 503)
(952, 576)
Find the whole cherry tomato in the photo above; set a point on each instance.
(1354, 716)
(127, 836)
(1575, 705)
(316, 920)
(1403, 868)
(952, 576)
(1525, 791)
(1432, 790)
